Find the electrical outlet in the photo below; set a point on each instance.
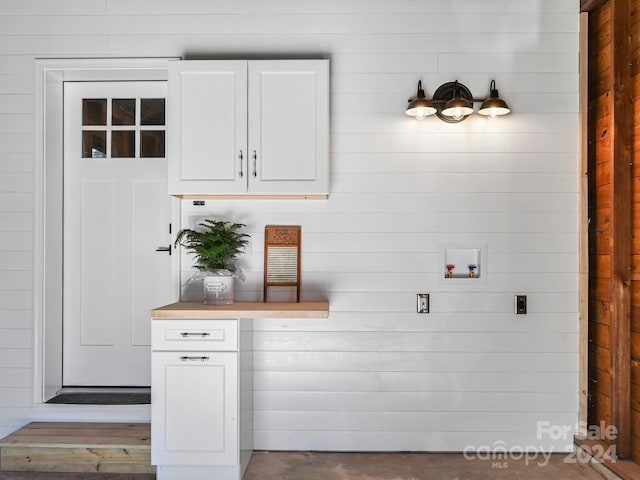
(423, 302)
(521, 304)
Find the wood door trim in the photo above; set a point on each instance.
(589, 5)
(583, 274)
(621, 227)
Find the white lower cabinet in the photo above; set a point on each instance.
(201, 415)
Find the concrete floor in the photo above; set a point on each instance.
(377, 466)
(412, 466)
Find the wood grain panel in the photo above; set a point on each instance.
(600, 381)
(600, 288)
(600, 358)
(635, 345)
(635, 318)
(601, 221)
(602, 172)
(600, 334)
(600, 266)
(77, 447)
(635, 371)
(600, 123)
(243, 310)
(600, 409)
(600, 242)
(635, 292)
(635, 237)
(600, 312)
(600, 104)
(635, 440)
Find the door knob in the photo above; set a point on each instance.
(164, 249)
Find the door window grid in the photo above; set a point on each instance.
(123, 128)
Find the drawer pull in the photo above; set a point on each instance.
(194, 334)
(255, 163)
(193, 359)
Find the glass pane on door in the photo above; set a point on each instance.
(152, 144)
(123, 128)
(123, 111)
(94, 111)
(123, 144)
(152, 111)
(94, 144)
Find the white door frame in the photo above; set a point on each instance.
(50, 74)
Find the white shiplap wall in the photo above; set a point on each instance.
(375, 375)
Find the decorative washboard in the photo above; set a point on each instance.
(282, 258)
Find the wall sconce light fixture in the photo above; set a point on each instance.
(420, 107)
(453, 102)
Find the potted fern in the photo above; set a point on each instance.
(215, 246)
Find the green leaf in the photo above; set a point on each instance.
(215, 245)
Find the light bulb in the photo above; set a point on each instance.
(494, 106)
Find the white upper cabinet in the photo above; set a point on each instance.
(248, 127)
(289, 126)
(207, 127)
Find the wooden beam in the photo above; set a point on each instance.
(583, 278)
(78, 447)
(621, 226)
(589, 5)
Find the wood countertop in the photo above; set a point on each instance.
(243, 310)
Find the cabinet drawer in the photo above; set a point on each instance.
(204, 335)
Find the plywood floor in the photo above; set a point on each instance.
(78, 447)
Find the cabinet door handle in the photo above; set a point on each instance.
(194, 334)
(187, 358)
(255, 163)
(241, 174)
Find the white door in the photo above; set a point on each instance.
(208, 151)
(116, 215)
(194, 418)
(288, 126)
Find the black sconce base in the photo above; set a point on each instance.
(444, 93)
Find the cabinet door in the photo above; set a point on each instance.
(194, 408)
(207, 126)
(289, 126)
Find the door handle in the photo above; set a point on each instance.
(164, 249)
(255, 163)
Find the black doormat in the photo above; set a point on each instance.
(104, 398)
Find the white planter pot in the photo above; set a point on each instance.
(218, 290)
